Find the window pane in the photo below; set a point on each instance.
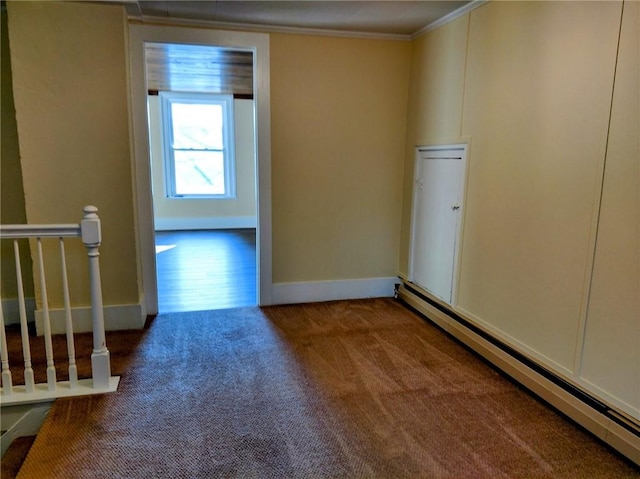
(197, 126)
(199, 173)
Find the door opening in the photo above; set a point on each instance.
(202, 152)
(257, 45)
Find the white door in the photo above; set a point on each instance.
(437, 208)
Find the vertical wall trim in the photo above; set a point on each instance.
(595, 224)
(464, 73)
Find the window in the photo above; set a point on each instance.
(198, 145)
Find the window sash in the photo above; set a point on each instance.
(220, 184)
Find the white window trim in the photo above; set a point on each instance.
(166, 99)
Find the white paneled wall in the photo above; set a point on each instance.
(550, 248)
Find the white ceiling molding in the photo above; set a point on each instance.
(250, 27)
(450, 17)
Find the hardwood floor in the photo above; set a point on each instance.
(202, 270)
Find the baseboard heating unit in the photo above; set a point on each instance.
(614, 428)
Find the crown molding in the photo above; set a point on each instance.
(450, 17)
(250, 27)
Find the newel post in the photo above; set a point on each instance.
(91, 237)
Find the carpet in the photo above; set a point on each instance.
(14, 457)
(347, 389)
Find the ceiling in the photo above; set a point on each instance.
(380, 17)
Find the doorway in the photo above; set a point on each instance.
(202, 148)
(258, 44)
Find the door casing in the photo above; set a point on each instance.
(258, 43)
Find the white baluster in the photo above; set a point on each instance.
(7, 384)
(24, 328)
(73, 369)
(91, 237)
(51, 370)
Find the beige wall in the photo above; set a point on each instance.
(612, 335)
(338, 123)
(537, 97)
(70, 88)
(338, 129)
(12, 209)
(338, 109)
(201, 213)
(535, 102)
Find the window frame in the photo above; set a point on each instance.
(167, 98)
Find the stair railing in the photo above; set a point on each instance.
(89, 230)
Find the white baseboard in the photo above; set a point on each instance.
(316, 291)
(116, 317)
(11, 310)
(599, 424)
(213, 223)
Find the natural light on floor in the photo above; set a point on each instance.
(160, 249)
